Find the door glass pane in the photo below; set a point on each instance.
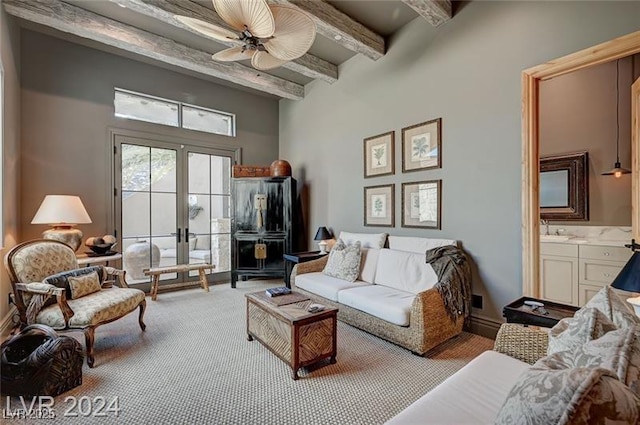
(199, 173)
(148, 209)
(220, 175)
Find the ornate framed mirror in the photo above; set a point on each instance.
(564, 187)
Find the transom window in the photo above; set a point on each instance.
(144, 107)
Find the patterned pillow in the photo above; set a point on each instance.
(617, 351)
(569, 396)
(84, 285)
(344, 261)
(61, 280)
(586, 325)
(614, 307)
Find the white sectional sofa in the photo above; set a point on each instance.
(396, 295)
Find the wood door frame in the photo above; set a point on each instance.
(617, 48)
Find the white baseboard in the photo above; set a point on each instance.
(484, 326)
(7, 322)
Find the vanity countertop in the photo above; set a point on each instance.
(585, 241)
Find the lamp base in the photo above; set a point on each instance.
(323, 247)
(67, 235)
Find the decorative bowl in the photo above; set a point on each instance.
(101, 248)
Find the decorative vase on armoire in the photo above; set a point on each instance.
(262, 229)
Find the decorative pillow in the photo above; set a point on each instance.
(582, 396)
(367, 240)
(586, 325)
(344, 261)
(84, 285)
(61, 280)
(617, 351)
(614, 307)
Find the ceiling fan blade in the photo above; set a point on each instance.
(264, 61)
(255, 14)
(233, 54)
(294, 35)
(208, 29)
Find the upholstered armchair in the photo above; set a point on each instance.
(49, 288)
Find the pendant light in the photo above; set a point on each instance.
(617, 170)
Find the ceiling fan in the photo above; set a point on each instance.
(269, 35)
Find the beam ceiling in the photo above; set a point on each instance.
(74, 20)
(436, 12)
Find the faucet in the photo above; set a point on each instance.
(545, 223)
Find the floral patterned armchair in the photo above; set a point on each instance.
(44, 275)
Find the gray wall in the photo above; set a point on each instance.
(578, 113)
(67, 108)
(468, 72)
(10, 51)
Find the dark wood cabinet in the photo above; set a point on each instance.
(261, 226)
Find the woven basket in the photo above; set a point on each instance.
(37, 361)
(528, 344)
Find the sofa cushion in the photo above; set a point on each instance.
(202, 242)
(586, 325)
(569, 396)
(84, 284)
(386, 303)
(406, 271)
(367, 240)
(614, 307)
(368, 264)
(344, 261)
(326, 286)
(473, 395)
(419, 245)
(617, 351)
(200, 254)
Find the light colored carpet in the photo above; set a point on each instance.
(194, 365)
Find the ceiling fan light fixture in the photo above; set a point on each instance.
(255, 15)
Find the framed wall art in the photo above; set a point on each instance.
(421, 146)
(421, 204)
(379, 157)
(379, 205)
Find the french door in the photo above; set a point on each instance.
(172, 206)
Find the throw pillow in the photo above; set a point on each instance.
(84, 285)
(586, 325)
(617, 351)
(614, 307)
(61, 280)
(582, 396)
(344, 261)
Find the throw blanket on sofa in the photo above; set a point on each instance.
(454, 279)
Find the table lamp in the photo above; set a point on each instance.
(629, 277)
(62, 213)
(321, 235)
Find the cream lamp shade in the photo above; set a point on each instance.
(62, 212)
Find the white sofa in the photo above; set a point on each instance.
(395, 296)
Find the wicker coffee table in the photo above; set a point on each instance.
(288, 330)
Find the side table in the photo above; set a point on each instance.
(548, 316)
(87, 260)
(295, 258)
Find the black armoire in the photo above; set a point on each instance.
(261, 226)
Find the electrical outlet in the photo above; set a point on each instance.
(476, 301)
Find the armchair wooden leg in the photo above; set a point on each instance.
(143, 306)
(89, 337)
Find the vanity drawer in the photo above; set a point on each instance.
(559, 249)
(599, 272)
(608, 253)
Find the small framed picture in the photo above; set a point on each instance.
(421, 146)
(379, 205)
(421, 204)
(379, 156)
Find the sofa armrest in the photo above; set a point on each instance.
(308, 267)
(525, 343)
(40, 293)
(429, 313)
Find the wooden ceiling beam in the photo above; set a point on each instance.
(340, 28)
(436, 12)
(82, 23)
(165, 11)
